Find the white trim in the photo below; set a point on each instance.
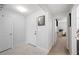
(46, 50)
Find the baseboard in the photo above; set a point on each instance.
(45, 50)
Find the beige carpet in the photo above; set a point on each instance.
(60, 47)
(24, 50)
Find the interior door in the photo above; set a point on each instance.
(5, 32)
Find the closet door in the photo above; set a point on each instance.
(5, 32)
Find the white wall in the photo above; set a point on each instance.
(19, 29)
(55, 31)
(62, 24)
(69, 35)
(72, 41)
(77, 18)
(51, 28)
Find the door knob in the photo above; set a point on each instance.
(35, 33)
(10, 33)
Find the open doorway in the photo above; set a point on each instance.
(60, 47)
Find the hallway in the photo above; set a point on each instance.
(38, 25)
(60, 47)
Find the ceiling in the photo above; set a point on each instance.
(30, 7)
(54, 9)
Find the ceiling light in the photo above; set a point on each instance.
(21, 9)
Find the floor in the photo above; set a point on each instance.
(24, 50)
(59, 49)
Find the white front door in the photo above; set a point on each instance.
(42, 35)
(5, 33)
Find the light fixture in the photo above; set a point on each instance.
(21, 9)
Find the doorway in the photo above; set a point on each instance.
(60, 47)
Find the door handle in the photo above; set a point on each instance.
(10, 34)
(35, 33)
